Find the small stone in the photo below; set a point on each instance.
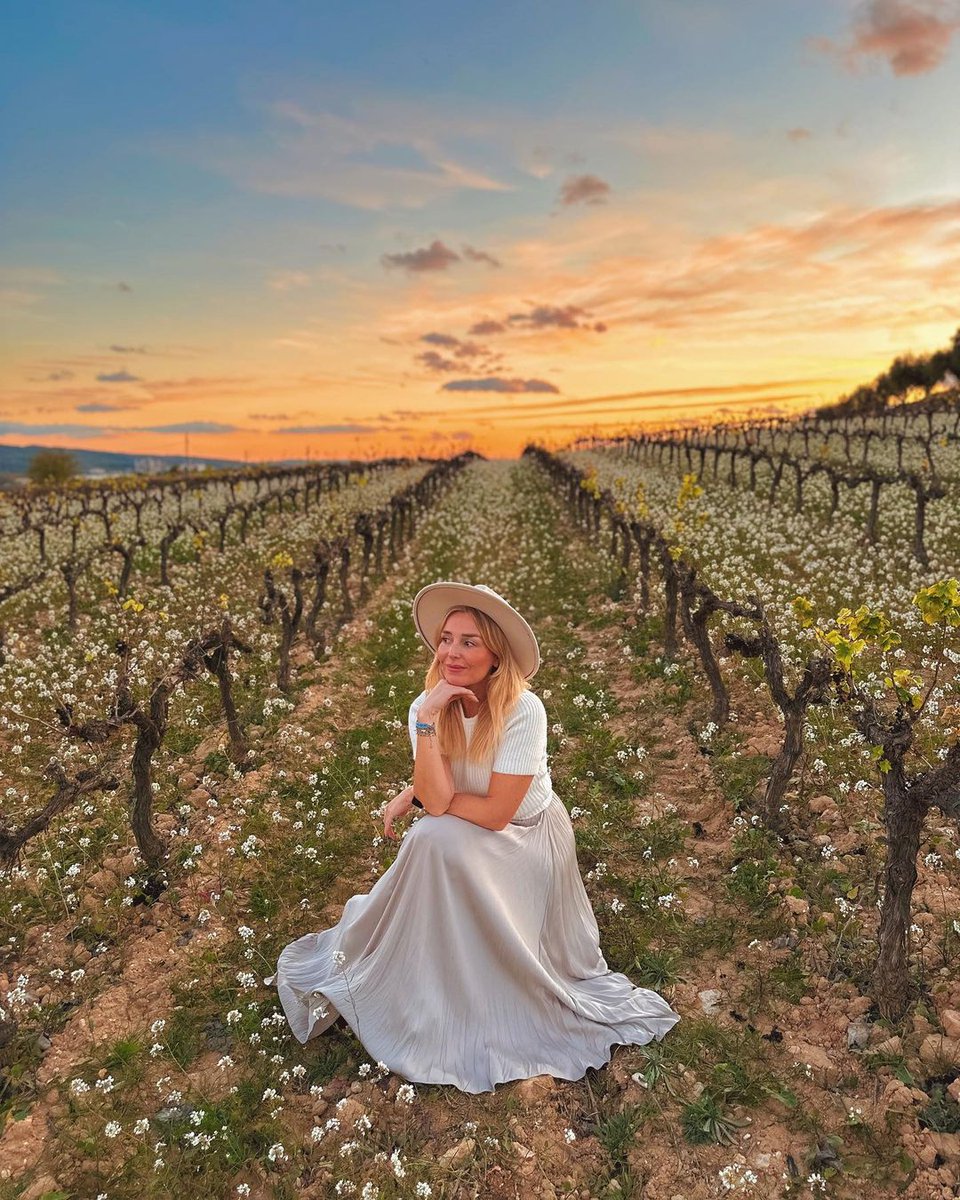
(936, 1050)
(892, 1046)
(456, 1154)
(797, 907)
(536, 1089)
(927, 1155)
(176, 1112)
(526, 1158)
(102, 882)
(950, 1021)
(947, 1145)
(822, 1065)
(348, 1110)
(41, 1186)
(897, 1095)
(710, 1001)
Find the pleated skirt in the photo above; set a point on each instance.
(474, 960)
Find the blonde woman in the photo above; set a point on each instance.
(475, 959)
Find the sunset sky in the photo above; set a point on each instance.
(334, 229)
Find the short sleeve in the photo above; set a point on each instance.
(523, 743)
(412, 721)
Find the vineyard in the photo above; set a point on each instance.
(750, 639)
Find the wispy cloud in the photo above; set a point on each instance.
(441, 339)
(435, 257)
(309, 150)
(546, 316)
(497, 384)
(633, 414)
(481, 256)
(129, 349)
(53, 430)
(22, 288)
(657, 398)
(486, 327)
(584, 189)
(799, 277)
(435, 361)
(118, 377)
(652, 399)
(97, 406)
(913, 36)
(190, 427)
(287, 281)
(459, 347)
(328, 429)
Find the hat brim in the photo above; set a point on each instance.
(433, 602)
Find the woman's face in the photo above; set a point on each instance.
(461, 653)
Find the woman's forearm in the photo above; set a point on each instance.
(479, 810)
(431, 782)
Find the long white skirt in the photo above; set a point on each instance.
(474, 960)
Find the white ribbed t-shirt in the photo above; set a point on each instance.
(522, 750)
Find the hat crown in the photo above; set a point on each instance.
(482, 587)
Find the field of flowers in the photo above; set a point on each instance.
(141, 1053)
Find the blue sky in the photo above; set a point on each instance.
(243, 198)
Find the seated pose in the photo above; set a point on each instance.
(475, 958)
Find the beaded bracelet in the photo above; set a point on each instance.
(426, 728)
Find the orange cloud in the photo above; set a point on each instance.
(912, 35)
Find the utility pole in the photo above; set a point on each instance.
(186, 450)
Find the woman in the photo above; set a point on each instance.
(475, 959)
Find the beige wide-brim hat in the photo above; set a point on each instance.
(432, 603)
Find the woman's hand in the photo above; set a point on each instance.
(396, 808)
(438, 699)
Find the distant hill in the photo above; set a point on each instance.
(14, 460)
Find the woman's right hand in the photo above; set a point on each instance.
(396, 808)
(438, 699)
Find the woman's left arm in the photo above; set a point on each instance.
(497, 809)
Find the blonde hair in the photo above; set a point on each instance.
(504, 687)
